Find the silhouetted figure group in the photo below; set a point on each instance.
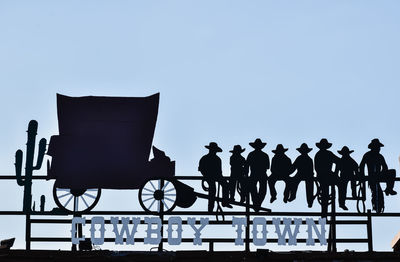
(249, 175)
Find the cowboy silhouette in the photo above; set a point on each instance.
(348, 169)
(377, 171)
(210, 168)
(258, 163)
(238, 174)
(324, 160)
(281, 168)
(305, 172)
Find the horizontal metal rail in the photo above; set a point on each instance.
(207, 240)
(205, 213)
(184, 222)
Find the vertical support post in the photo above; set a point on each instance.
(28, 231)
(160, 246)
(247, 240)
(332, 227)
(369, 231)
(211, 246)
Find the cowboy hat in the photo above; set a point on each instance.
(304, 148)
(257, 144)
(213, 147)
(375, 143)
(345, 151)
(237, 149)
(323, 144)
(279, 149)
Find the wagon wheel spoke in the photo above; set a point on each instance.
(84, 201)
(89, 195)
(147, 194)
(165, 204)
(169, 190)
(148, 199)
(64, 195)
(64, 189)
(151, 183)
(69, 200)
(152, 203)
(169, 199)
(166, 184)
(148, 190)
(159, 207)
(169, 194)
(76, 204)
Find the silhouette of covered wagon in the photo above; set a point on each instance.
(105, 143)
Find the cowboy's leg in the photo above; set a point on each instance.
(232, 186)
(225, 190)
(263, 191)
(342, 186)
(309, 191)
(288, 188)
(211, 194)
(353, 188)
(373, 186)
(390, 176)
(293, 188)
(253, 190)
(271, 184)
(243, 189)
(324, 198)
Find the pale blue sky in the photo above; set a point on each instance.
(228, 71)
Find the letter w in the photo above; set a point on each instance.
(119, 235)
(292, 235)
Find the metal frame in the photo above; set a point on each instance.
(332, 222)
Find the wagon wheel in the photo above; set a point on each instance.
(158, 195)
(76, 200)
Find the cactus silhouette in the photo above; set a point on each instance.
(26, 181)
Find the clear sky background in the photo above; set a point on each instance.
(228, 71)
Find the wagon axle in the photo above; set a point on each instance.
(159, 195)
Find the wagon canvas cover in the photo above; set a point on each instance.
(103, 142)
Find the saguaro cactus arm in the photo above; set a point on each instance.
(18, 167)
(42, 149)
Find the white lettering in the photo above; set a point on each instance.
(287, 230)
(75, 222)
(174, 221)
(130, 235)
(321, 235)
(256, 240)
(150, 230)
(239, 223)
(197, 231)
(98, 221)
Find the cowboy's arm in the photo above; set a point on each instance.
(383, 163)
(362, 166)
(219, 166)
(337, 162)
(247, 165)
